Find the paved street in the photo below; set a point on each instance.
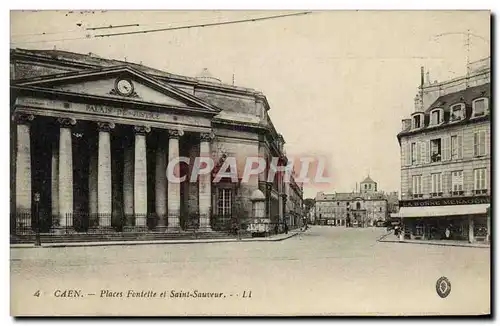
(325, 270)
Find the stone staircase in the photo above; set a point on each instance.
(123, 236)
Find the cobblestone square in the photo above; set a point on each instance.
(330, 270)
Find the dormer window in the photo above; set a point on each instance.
(417, 121)
(479, 107)
(436, 116)
(457, 112)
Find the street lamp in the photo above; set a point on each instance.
(38, 242)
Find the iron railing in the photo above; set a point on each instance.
(26, 223)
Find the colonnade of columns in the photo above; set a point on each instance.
(135, 187)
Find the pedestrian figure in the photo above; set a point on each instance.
(447, 233)
(286, 228)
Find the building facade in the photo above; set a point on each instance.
(92, 138)
(294, 203)
(355, 209)
(445, 159)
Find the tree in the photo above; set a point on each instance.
(308, 203)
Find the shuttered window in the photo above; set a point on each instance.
(437, 182)
(479, 179)
(423, 157)
(479, 143)
(446, 148)
(457, 181)
(417, 184)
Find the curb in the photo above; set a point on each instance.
(438, 244)
(155, 242)
(384, 236)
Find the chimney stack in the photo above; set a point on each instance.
(421, 76)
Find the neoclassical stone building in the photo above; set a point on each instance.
(360, 209)
(294, 212)
(91, 139)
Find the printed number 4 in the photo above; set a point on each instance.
(37, 293)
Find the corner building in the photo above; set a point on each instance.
(91, 139)
(445, 160)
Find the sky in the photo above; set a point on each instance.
(338, 82)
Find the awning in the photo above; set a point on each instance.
(430, 211)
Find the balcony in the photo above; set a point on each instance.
(457, 193)
(436, 194)
(436, 157)
(480, 192)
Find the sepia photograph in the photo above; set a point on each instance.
(186, 163)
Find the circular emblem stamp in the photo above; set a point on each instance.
(443, 287)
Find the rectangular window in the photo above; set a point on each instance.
(436, 183)
(436, 150)
(413, 153)
(479, 143)
(224, 203)
(457, 181)
(480, 179)
(417, 184)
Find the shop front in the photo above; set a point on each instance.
(464, 219)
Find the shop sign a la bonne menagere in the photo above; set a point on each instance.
(445, 201)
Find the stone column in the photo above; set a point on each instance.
(269, 187)
(104, 198)
(205, 185)
(54, 192)
(128, 184)
(161, 183)
(174, 188)
(93, 171)
(65, 175)
(140, 178)
(471, 230)
(23, 172)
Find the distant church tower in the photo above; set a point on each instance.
(368, 185)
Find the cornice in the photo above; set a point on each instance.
(443, 126)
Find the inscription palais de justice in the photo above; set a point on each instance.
(122, 112)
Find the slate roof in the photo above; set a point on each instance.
(97, 61)
(368, 180)
(465, 96)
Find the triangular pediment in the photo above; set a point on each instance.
(119, 83)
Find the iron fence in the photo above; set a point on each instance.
(26, 223)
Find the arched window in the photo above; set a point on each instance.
(457, 112)
(437, 116)
(417, 120)
(480, 107)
